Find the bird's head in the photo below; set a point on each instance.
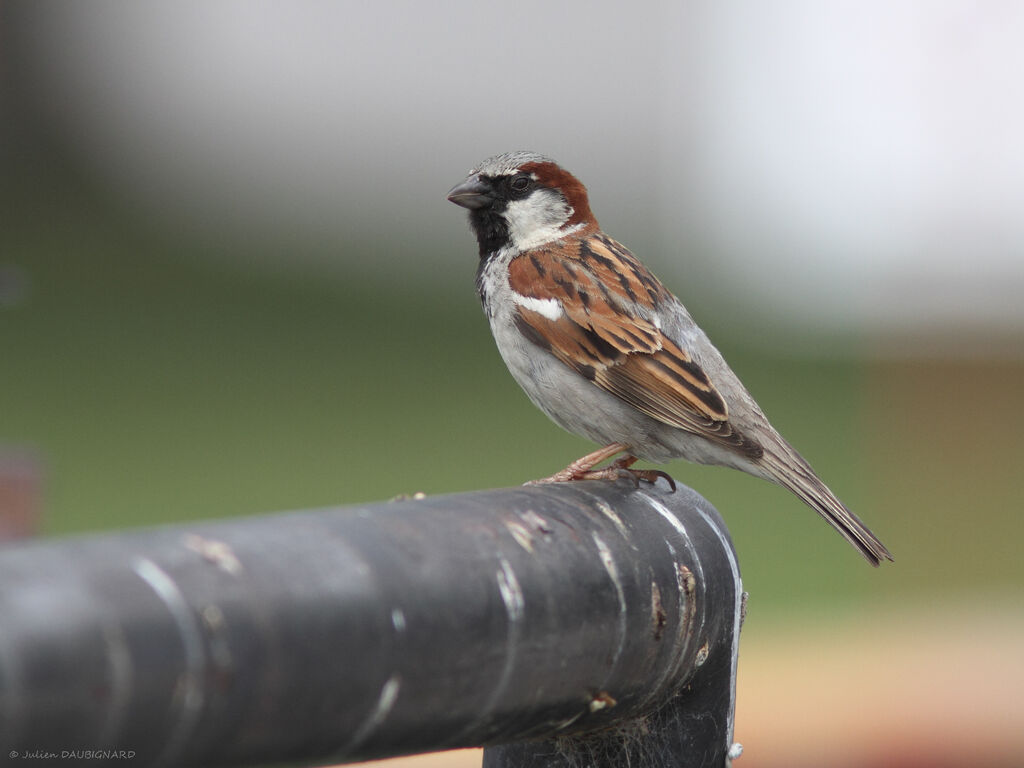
(522, 200)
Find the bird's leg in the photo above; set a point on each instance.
(583, 469)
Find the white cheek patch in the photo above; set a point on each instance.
(538, 219)
(549, 308)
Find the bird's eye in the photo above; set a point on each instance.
(520, 183)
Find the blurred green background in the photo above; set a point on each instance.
(154, 382)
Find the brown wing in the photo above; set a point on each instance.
(607, 333)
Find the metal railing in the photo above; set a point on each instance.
(574, 624)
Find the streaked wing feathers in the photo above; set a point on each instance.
(608, 333)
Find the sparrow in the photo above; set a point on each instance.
(607, 352)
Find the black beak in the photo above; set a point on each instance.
(472, 193)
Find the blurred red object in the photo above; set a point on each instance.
(20, 495)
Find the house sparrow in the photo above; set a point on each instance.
(603, 348)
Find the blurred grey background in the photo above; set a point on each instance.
(230, 282)
(854, 166)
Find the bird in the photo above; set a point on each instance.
(602, 347)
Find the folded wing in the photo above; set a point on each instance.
(608, 331)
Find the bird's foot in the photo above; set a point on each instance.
(647, 475)
(583, 469)
(623, 467)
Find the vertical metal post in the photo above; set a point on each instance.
(694, 728)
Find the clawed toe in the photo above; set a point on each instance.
(583, 469)
(651, 476)
(612, 472)
(635, 475)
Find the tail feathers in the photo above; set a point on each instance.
(796, 475)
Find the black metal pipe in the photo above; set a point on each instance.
(543, 613)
